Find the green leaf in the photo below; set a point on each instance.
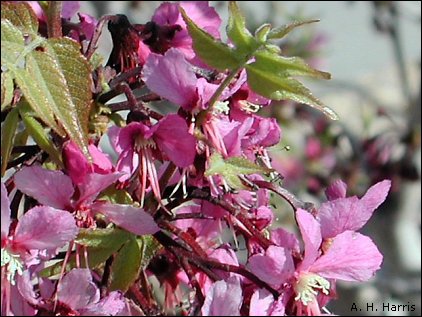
(213, 52)
(237, 32)
(77, 72)
(126, 266)
(38, 133)
(116, 196)
(102, 238)
(149, 248)
(7, 137)
(21, 15)
(261, 33)
(286, 66)
(231, 168)
(7, 90)
(277, 87)
(282, 31)
(100, 243)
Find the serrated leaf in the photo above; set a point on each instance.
(102, 238)
(7, 90)
(149, 248)
(7, 136)
(286, 66)
(282, 31)
(238, 33)
(211, 51)
(276, 87)
(126, 266)
(38, 133)
(21, 15)
(77, 72)
(231, 168)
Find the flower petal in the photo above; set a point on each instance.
(172, 137)
(311, 235)
(171, 77)
(336, 190)
(133, 219)
(5, 212)
(94, 184)
(274, 268)
(77, 289)
(350, 257)
(375, 196)
(110, 305)
(45, 228)
(51, 188)
(261, 302)
(224, 298)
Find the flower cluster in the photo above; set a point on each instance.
(184, 209)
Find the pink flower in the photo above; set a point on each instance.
(263, 304)
(340, 213)
(200, 12)
(139, 145)
(78, 166)
(223, 299)
(37, 235)
(34, 238)
(349, 256)
(171, 76)
(55, 189)
(78, 293)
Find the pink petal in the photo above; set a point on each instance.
(51, 188)
(69, 9)
(45, 228)
(87, 25)
(376, 195)
(350, 257)
(76, 163)
(94, 184)
(135, 220)
(19, 306)
(172, 137)
(203, 15)
(285, 239)
(5, 213)
(311, 235)
(336, 190)
(171, 77)
(342, 214)
(226, 255)
(223, 299)
(101, 161)
(77, 289)
(110, 305)
(274, 268)
(26, 289)
(127, 163)
(166, 14)
(261, 302)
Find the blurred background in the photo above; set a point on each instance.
(373, 51)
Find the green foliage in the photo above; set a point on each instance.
(7, 137)
(52, 74)
(214, 52)
(38, 133)
(126, 266)
(270, 74)
(231, 168)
